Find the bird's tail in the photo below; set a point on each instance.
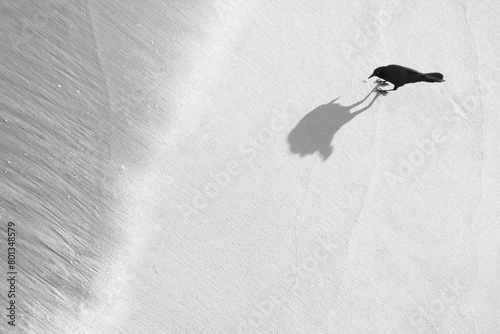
(433, 77)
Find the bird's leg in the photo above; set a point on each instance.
(384, 91)
(381, 91)
(381, 82)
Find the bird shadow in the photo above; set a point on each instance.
(315, 131)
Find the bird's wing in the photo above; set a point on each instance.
(411, 70)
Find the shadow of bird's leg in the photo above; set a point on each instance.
(368, 106)
(363, 100)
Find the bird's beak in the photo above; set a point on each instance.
(371, 76)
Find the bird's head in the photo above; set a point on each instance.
(378, 72)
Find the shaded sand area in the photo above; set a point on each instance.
(69, 134)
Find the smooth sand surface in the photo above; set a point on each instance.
(224, 166)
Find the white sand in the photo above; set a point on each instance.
(249, 200)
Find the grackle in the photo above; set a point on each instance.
(400, 76)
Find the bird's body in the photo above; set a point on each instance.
(400, 75)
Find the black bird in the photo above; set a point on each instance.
(400, 76)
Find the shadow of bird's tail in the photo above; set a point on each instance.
(433, 77)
